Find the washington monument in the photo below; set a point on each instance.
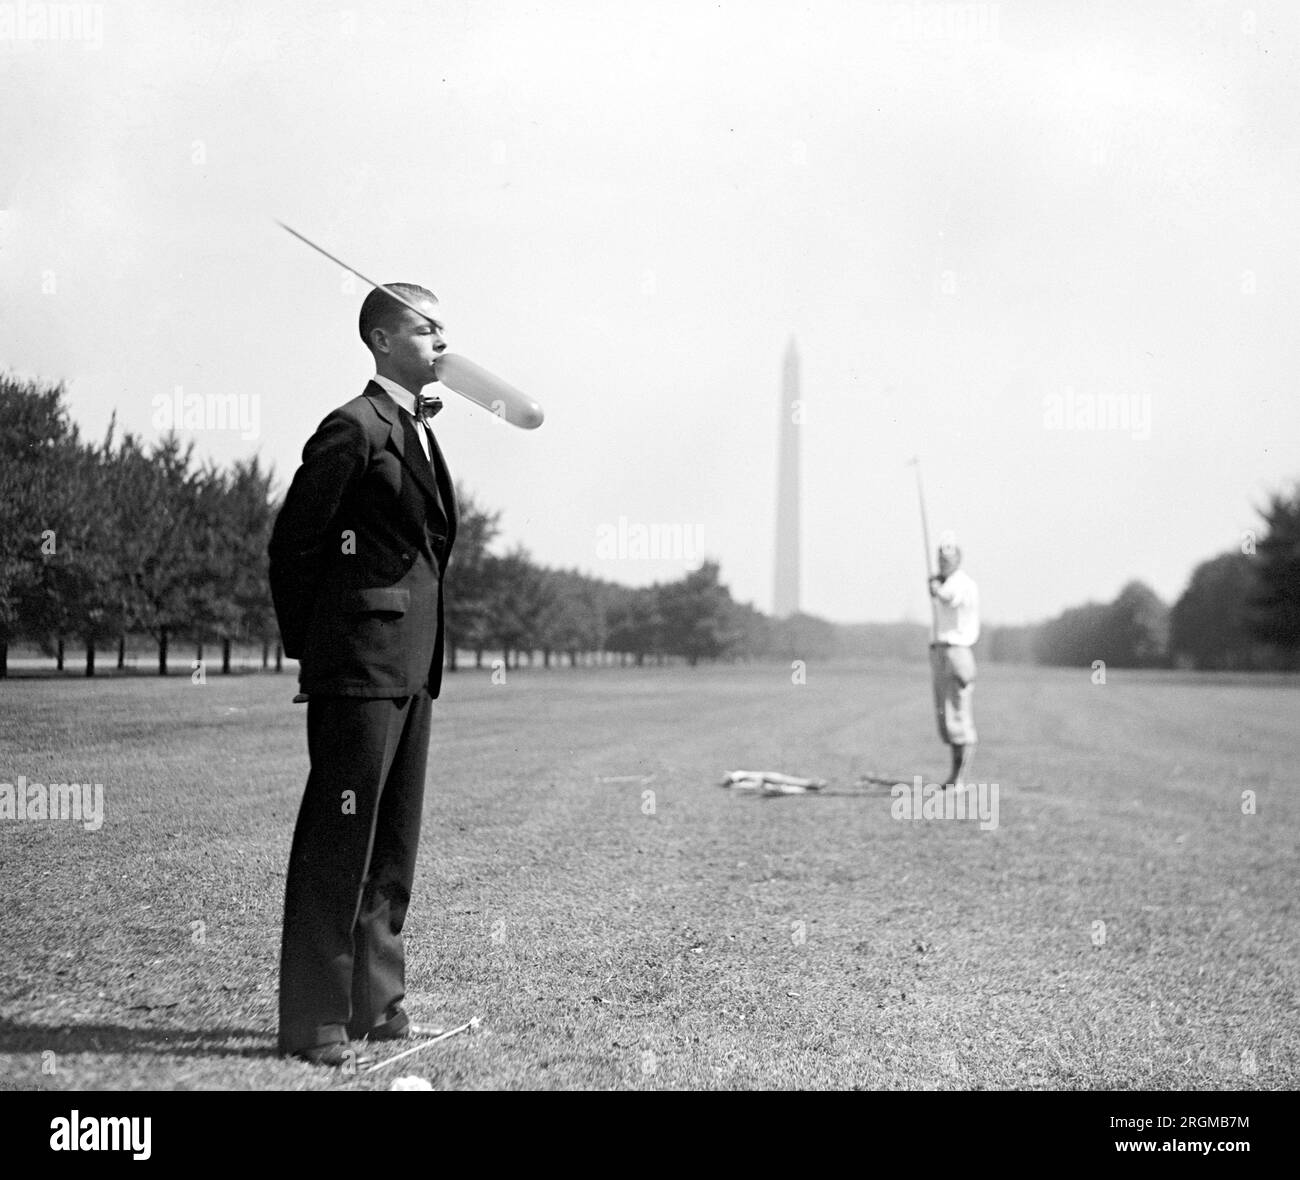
(785, 585)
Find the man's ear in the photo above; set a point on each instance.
(378, 340)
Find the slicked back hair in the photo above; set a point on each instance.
(379, 309)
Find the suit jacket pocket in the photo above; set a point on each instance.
(384, 600)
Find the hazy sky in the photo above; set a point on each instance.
(977, 220)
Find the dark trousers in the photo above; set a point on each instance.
(342, 971)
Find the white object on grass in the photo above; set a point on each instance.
(771, 782)
(472, 1023)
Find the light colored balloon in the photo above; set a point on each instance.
(486, 389)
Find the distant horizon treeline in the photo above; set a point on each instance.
(105, 542)
(1240, 612)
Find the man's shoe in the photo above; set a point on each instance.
(413, 1031)
(336, 1055)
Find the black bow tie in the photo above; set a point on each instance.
(426, 406)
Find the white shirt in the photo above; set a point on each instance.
(957, 610)
(405, 400)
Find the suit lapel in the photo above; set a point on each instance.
(416, 463)
(398, 424)
(446, 488)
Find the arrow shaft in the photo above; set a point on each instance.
(451, 1032)
(353, 270)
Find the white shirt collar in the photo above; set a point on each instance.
(403, 397)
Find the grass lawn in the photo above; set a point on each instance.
(692, 937)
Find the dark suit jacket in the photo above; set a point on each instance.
(358, 554)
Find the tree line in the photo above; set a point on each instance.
(102, 541)
(106, 540)
(1240, 611)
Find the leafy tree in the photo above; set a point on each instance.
(467, 601)
(753, 633)
(803, 637)
(520, 597)
(1131, 632)
(1136, 629)
(158, 559)
(634, 622)
(697, 615)
(76, 591)
(573, 618)
(34, 424)
(1209, 625)
(1075, 637)
(216, 555)
(250, 513)
(1275, 606)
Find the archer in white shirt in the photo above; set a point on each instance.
(952, 663)
(957, 607)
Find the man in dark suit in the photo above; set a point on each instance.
(358, 555)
